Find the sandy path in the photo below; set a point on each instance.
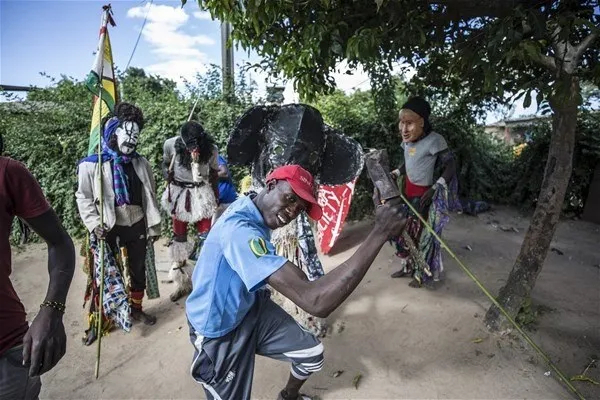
(405, 343)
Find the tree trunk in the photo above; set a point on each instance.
(545, 218)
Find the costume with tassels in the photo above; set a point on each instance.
(428, 181)
(267, 137)
(131, 223)
(190, 165)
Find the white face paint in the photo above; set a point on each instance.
(127, 137)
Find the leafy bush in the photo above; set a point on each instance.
(49, 132)
(487, 168)
(527, 171)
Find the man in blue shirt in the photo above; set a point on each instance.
(227, 192)
(230, 312)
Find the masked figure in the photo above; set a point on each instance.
(131, 222)
(267, 137)
(190, 166)
(428, 179)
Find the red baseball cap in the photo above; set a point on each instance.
(302, 184)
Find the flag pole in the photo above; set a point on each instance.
(100, 173)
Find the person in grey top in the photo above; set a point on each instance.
(425, 174)
(190, 166)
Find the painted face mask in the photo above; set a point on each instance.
(127, 137)
(192, 134)
(192, 138)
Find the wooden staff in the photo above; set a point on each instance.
(101, 201)
(189, 119)
(193, 108)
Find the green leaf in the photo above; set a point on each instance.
(519, 95)
(356, 380)
(509, 56)
(583, 378)
(527, 100)
(337, 49)
(539, 98)
(379, 3)
(531, 49)
(256, 25)
(587, 23)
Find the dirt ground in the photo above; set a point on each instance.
(405, 343)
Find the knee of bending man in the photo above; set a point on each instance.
(312, 362)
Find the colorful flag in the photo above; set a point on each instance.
(335, 202)
(102, 77)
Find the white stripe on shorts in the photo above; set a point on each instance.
(312, 365)
(305, 353)
(212, 391)
(301, 377)
(314, 369)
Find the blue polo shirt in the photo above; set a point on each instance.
(227, 193)
(236, 260)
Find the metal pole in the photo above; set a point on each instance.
(227, 61)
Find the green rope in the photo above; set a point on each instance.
(493, 300)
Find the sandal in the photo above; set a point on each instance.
(415, 284)
(402, 274)
(300, 397)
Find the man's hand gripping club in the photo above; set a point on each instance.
(321, 297)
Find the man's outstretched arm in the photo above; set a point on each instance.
(321, 297)
(45, 341)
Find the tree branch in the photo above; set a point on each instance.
(547, 62)
(583, 46)
(561, 50)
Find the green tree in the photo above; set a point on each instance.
(476, 50)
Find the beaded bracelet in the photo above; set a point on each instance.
(54, 304)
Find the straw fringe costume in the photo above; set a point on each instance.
(189, 198)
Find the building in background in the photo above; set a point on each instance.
(515, 131)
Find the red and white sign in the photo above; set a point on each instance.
(335, 202)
